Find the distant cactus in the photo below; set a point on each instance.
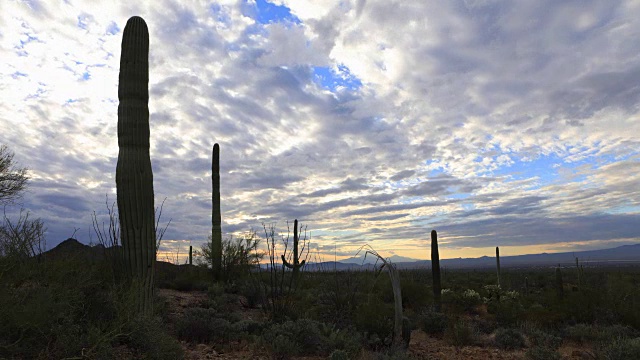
(435, 271)
(580, 269)
(498, 263)
(190, 255)
(134, 177)
(296, 265)
(526, 285)
(559, 285)
(216, 218)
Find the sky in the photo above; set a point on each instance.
(497, 123)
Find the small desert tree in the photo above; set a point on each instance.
(13, 179)
(239, 255)
(22, 238)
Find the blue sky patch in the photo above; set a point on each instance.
(18, 74)
(542, 167)
(220, 14)
(113, 28)
(331, 79)
(83, 20)
(267, 13)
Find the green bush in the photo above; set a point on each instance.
(508, 312)
(346, 339)
(460, 333)
(146, 335)
(303, 337)
(509, 339)
(339, 355)
(433, 322)
(540, 338)
(375, 318)
(248, 326)
(204, 326)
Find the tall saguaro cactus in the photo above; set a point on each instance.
(296, 265)
(216, 218)
(498, 263)
(435, 271)
(134, 177)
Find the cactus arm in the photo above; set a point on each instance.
(286, 263)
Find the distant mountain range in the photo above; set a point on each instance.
(622, 255)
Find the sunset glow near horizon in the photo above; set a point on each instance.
(511, 124)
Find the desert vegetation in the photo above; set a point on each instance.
(114, 300)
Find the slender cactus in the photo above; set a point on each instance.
(498, 263)
(435, 271)
(134, 177)
(190, 255)
(559, 286)
(580, 269)
(526, 285)
(216, 218)
(296, 259)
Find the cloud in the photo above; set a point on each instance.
(513, 119)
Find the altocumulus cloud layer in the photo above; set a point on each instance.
(495, 122)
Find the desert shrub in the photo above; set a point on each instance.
(590, 333)
(346, 339)
(147, 336)
(484, 325)
(248, 326)
(542, 353)
(203, 326)
(338, 296)
(540, 338)
(460, 333)
(509, 339)
(281, 347)
(470, 299)
(433, 322)
(252, 292)
(187, 281)
(448, 296)
(375, 318)
(508, 311)
(215, 290)
(621, 349)
(339, 355)
(303, 337)
(414, 294)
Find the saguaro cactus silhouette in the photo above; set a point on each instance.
(216, 218)
(435, 271)
(296, 265)
(559, 285)
(134, 177)
(498, 263)
(580, 269)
